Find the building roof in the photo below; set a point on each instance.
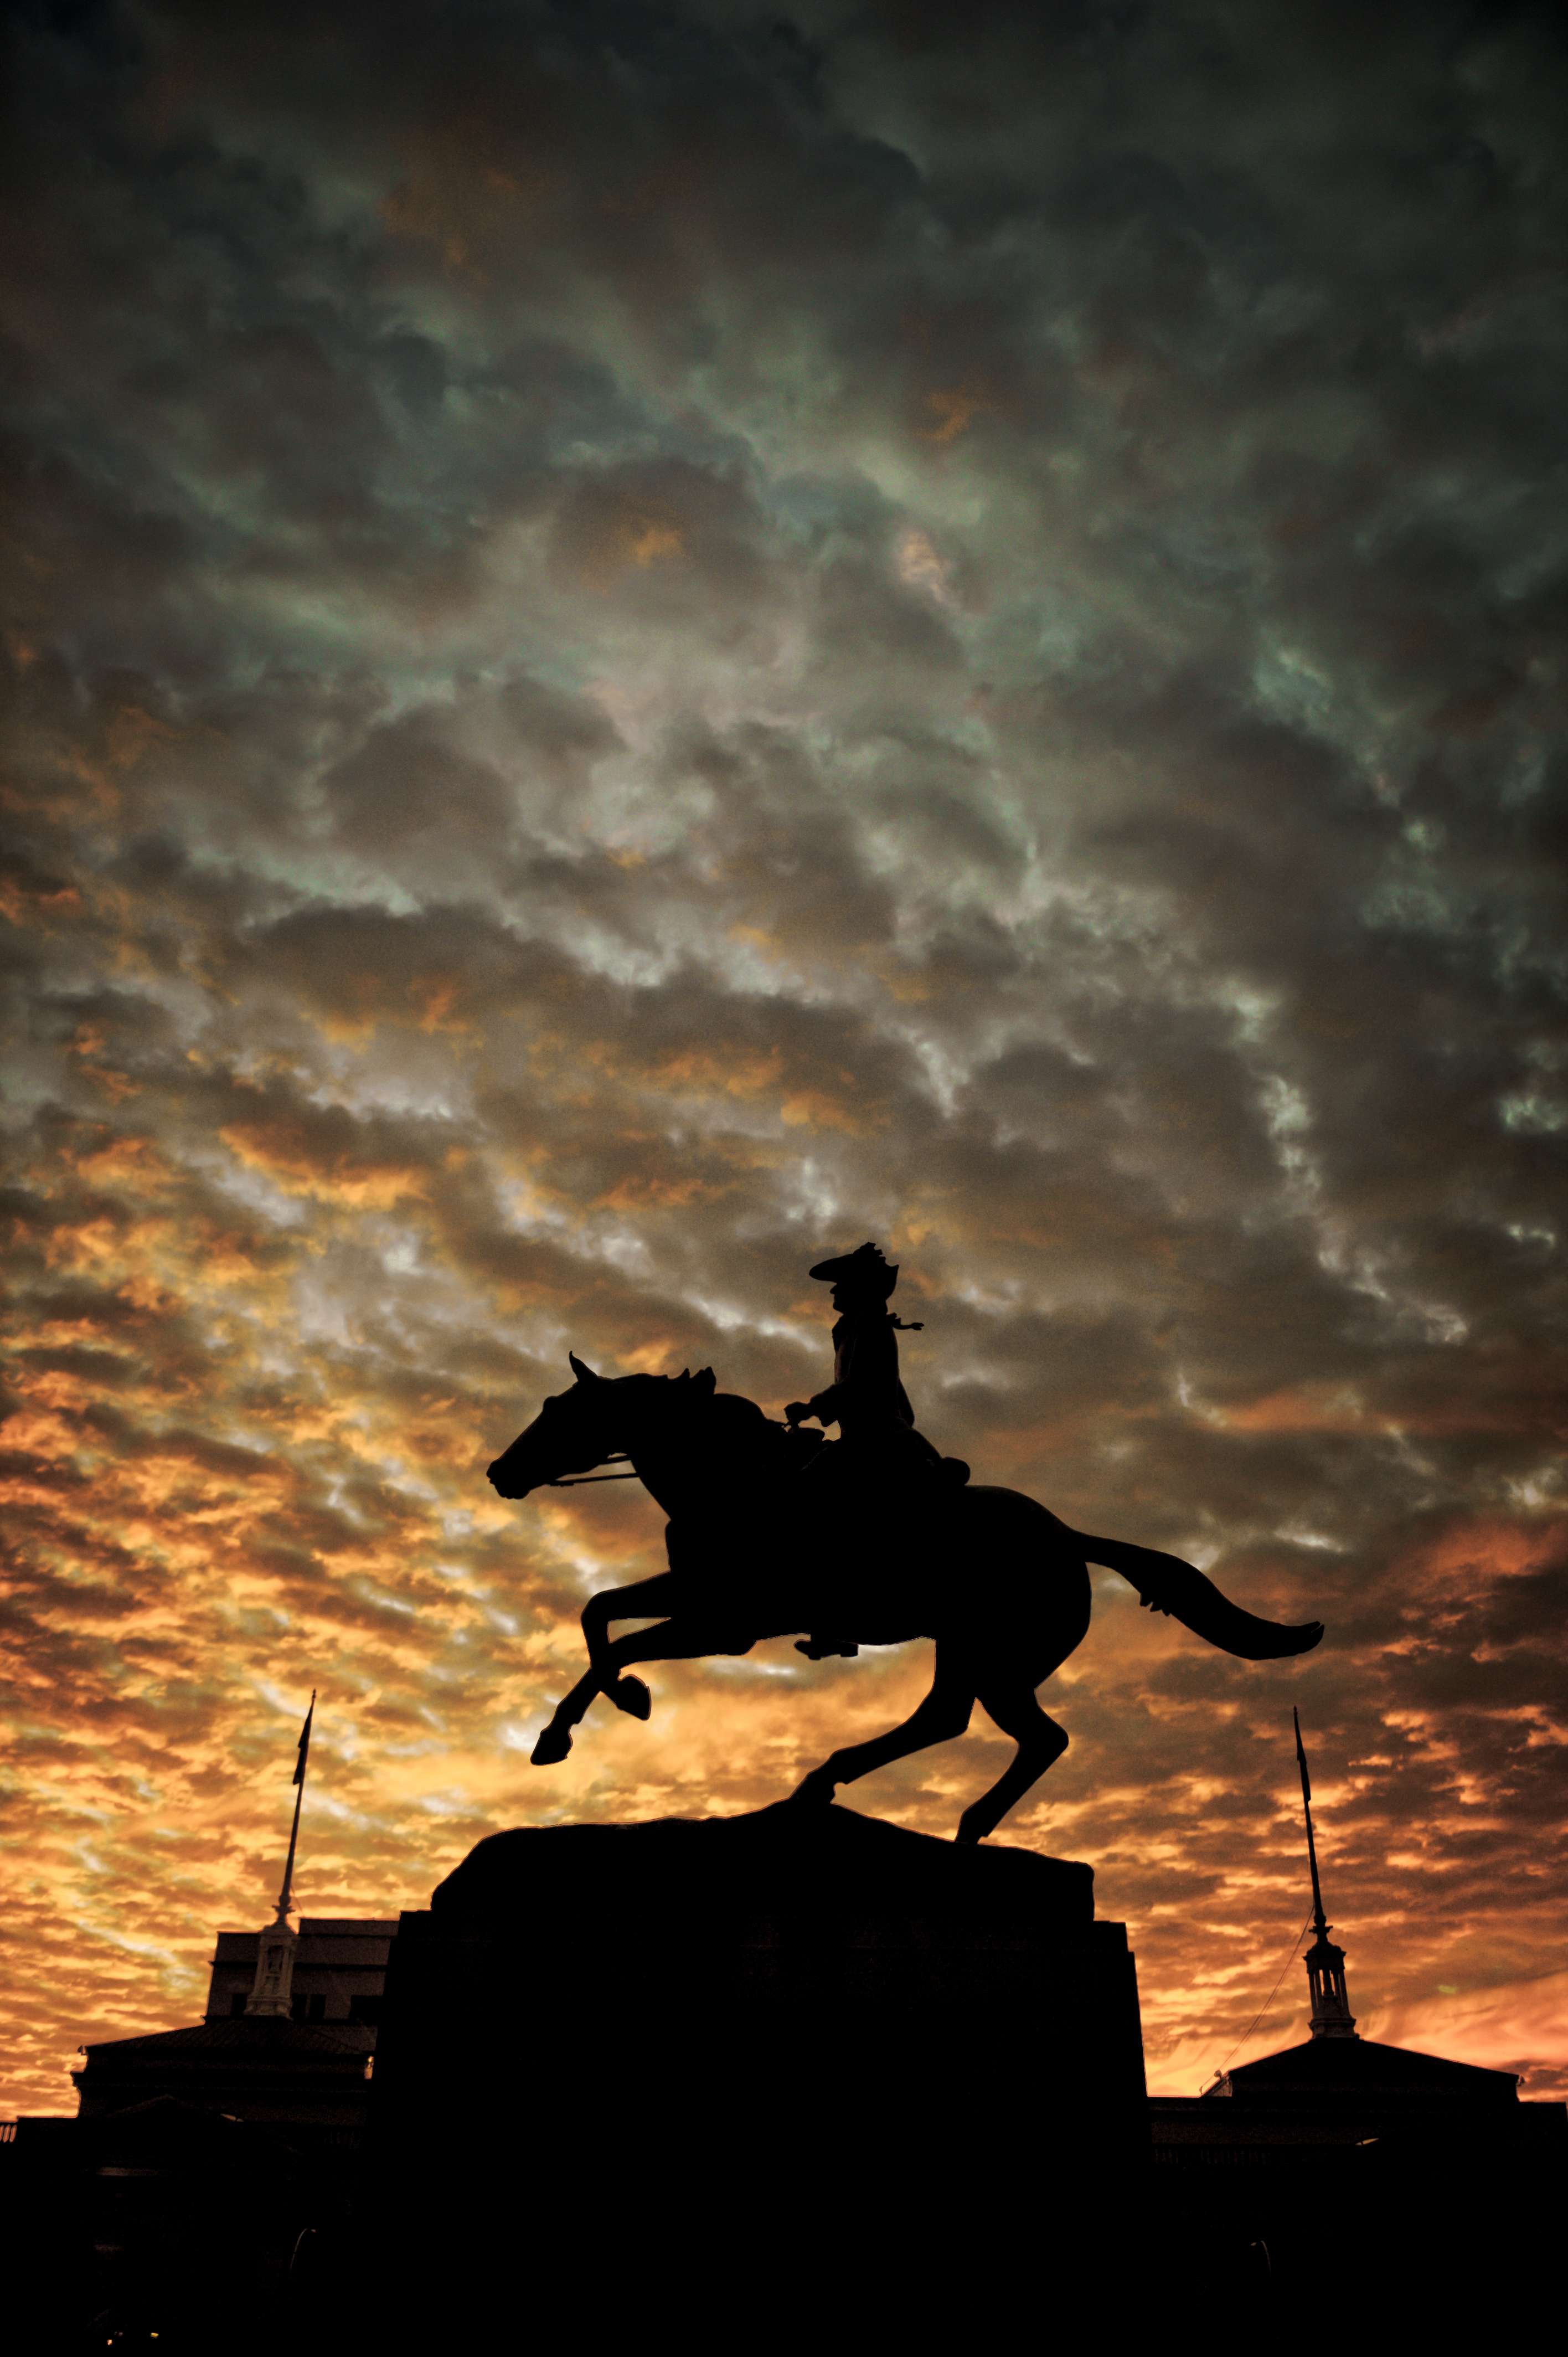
(1330, 2068)
(248, 2036)
(331, 1927)
(365, 1926)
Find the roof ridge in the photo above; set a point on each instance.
(244, 2029)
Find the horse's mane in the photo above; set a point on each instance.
(731, 1408)
(738, 1439)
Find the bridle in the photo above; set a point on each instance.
(575, 1480)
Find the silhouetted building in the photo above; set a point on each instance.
(310, 2084)
(289, 2032)
(304, 2071)
(203, 2162)
(1339, 2089)
(1426, 2168)
(1302, 2104)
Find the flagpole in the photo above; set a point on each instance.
(272, 1993)
(286, 1893)
(1317, 1915)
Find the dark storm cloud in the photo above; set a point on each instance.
(642, 640)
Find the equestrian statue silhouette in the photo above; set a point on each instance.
(872, 1539)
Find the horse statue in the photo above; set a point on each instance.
(998, 1583)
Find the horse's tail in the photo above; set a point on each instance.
(1180, 1590)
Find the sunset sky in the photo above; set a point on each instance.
(645, 641)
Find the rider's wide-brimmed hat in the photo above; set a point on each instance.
(864, 1267)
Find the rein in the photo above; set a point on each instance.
(615, 1457)
(575, 1480)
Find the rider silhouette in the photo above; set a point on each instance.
(880, 1449)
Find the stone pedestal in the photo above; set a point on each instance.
(788, 2051)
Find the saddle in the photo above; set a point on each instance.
(827, 1540)
(902, 1502)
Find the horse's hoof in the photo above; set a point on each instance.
(816, 1791)
(632, 1695)
(552, 1746)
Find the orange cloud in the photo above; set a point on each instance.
(1488, 1545)
(436, 996)
(815, 1109)
(36, 1433)
(1507, 2026)
(281, 1152)
(1304, 1407)
(22, 898)
(952, 409)
(130, 1162)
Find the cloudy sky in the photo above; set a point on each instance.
(646, 640)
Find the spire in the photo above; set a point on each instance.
(1331, 2014)
(271, 1992)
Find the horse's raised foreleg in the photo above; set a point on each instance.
(944, 1713)
(676, 1639)
(682, 1640)
(643, 1599)
(1040, 1743)
(555, 1741)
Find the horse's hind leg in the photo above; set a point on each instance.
(944, 1713)
(1040, 1743)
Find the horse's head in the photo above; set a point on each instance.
(578, 1429)
(571, 1433)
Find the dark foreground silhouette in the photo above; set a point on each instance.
(793, 2079)
(998, 1583)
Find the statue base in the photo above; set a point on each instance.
(768, 2050)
